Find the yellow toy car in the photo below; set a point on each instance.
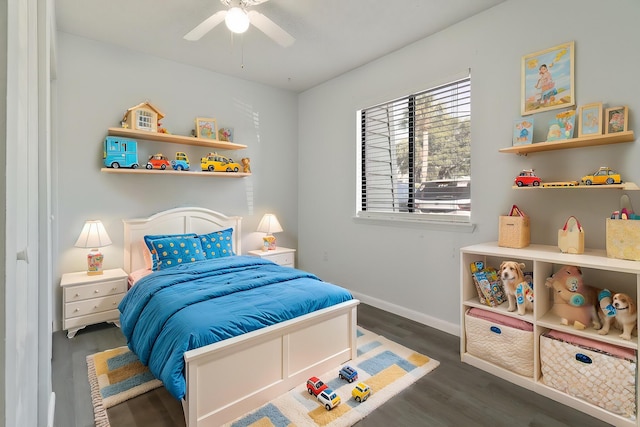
(214, 162)
(361, 392)
(604, 175)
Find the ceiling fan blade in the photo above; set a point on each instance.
(206, 26)
(271, 29)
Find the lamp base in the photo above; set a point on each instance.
(268, 243)
(94, 262)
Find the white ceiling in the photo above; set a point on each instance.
(332, 36)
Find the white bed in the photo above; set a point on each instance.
(229, 378)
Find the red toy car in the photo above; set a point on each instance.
(315, 386)
(526, 178)
(158, 161)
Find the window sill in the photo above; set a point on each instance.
(451, 223)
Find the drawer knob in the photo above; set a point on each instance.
(76, 310)
(96, 291)
(77, 295)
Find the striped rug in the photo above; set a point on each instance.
(115, 376)
(385, 366)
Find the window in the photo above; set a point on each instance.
(144, 119)
(415, 156)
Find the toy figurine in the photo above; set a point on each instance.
(246, 165)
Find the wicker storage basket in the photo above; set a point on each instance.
(513, 231)
(491, 339)
(590, 373)
(623, 239)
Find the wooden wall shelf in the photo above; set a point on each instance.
(176, 139)
(628, 186)
(175, 172)
(585, 141)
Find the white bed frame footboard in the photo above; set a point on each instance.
(234, 376)
(230, 378)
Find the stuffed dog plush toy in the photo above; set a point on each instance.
(624, 316)
(519, 293)
(573, 301)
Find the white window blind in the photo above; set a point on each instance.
(415, 155)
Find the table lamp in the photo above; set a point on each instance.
(93, 236)
(269, 224)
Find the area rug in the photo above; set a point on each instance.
(115, 376)
(385, 366)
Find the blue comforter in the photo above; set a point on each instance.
(192, 305)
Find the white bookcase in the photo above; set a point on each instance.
(598, 271)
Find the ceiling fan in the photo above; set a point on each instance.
(237, 19)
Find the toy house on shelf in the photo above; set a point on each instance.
(143, 116)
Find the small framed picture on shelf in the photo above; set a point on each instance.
(562, 126)
(523, 131)
(616, 120)
(225, 134)
(590, 119)
(206, 128)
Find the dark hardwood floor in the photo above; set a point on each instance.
(454, 394)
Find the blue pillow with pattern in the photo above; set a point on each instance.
(149, 239)
(173, 251)
(217, 244)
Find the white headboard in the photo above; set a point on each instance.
(174, 221)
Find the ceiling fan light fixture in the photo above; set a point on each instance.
(237, 20)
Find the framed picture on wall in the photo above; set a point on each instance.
(523, 131)
(590, 119)
(206, 128)
(616, 120)
(547, 79)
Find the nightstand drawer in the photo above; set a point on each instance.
(286, 260)
(76, 323)
(95, 290)
(96, 305)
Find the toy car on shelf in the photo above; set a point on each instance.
(329, 398)
(361, 392)
(181, 163)
(158, 161)
(214, 162)
(348, 373)
(120, 152)
(315, 386)
(526, 178)
(604, 175)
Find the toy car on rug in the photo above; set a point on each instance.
(348, 373)
(315, 386)
(328, 398)
(361, 392)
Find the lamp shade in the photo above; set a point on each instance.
(93, 235)
(237, 20)
(269, 224)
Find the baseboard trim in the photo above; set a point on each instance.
(52, 410)
(448, 327)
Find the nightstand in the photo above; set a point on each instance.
(87, 300)
(281, 256)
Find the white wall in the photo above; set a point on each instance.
(97, 83)
(414, 270)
